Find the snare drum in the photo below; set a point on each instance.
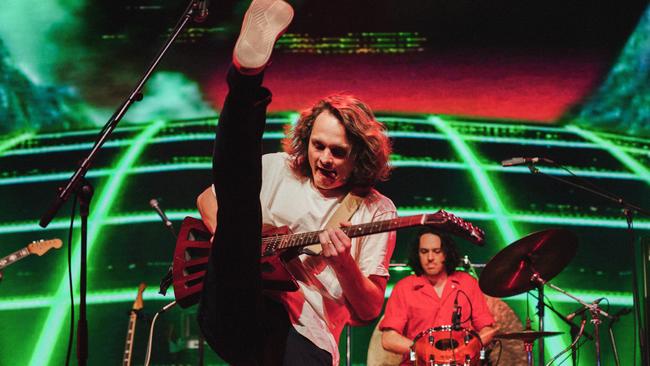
(444, 346)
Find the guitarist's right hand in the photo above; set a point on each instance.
(364, 295)
(206, 202)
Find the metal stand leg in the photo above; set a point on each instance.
(348, 342)
(540, 313)
(528, 347)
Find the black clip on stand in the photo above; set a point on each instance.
(628, 210)
(77, 184)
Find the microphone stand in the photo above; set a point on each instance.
(78, 185)
(628, 213)
(614, 318)
(574, 329)
(568, 322)
(594, 309)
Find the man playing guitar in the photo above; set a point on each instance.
(337, 147)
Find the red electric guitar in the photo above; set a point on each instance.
(193, 248)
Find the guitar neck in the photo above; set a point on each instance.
(128, 347)
(14, 257)
(309, 238)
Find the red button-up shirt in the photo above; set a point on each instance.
(414, 306)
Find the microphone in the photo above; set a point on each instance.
(201, 8)
(521, 161)
(456, 316)
(465, 263)
(571, 316)
(468, 266)
(154, 204)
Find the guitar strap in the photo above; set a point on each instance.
(344, 212)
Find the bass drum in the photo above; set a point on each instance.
(512, 353)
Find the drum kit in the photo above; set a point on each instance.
(525, 265)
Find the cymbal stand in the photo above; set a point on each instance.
(595, 320)
(594, 309)
(528, 345)
(540, 313)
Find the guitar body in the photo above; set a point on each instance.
(191, 259)
(275, 276)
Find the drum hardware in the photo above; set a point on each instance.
(574, 343)
(593, 309)
(527, 264)
(530, 263)
(528, 336)
(575, 330)
(628, 210)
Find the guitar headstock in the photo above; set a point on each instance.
(139, 303)
(455, 225)
(42, 246)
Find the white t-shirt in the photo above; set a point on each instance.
(318, 309)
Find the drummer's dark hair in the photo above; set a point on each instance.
(452, 259)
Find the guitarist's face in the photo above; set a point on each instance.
(329, 153)
(432, 257)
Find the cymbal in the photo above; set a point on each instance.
(526, 335)
(545, 252)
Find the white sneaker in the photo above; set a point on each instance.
(264, 23)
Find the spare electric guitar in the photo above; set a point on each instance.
(133, 318)
(279, 244)
(37, 247)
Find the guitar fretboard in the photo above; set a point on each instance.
(13, 257)
(130, 332)
(303, 239)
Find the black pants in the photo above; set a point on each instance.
(236, 320)
(300, 352)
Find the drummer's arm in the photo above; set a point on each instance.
(392, 341)
(487, 334)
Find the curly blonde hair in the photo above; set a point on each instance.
(371, 147)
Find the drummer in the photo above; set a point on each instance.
(427, 299)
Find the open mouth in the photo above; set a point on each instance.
(331, 174)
